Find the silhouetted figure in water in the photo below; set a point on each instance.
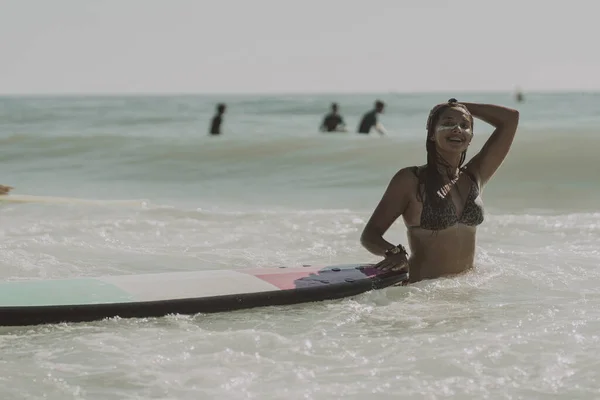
(519, 97)
(333, 122)
(215, 125)
(369, 120)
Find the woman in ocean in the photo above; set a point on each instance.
(5, 189)
(440, 201)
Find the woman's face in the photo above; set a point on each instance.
(453, 131)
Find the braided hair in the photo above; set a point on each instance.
(431, 180)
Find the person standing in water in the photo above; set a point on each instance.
(215, 125)
(333, 122)
(440, 202)
(519, 96)
(369, 120)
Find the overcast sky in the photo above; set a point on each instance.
(263, 46)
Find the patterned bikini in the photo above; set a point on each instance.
(436, 218)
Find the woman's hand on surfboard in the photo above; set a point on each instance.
(397, 262)
(5, 189)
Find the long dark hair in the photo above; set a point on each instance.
(430, 179)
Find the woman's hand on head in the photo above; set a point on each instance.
(396, 262)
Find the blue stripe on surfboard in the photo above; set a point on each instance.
(61, 292)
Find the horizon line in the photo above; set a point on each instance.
(288, 93)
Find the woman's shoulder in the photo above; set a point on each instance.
(406, 175)
(472, 173)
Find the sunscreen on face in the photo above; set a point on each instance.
(442, 128)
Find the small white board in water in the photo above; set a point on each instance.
(152, 295)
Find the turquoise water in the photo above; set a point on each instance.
(273, 191)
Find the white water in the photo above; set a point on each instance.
(523, 325)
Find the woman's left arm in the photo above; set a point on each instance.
(485, 163)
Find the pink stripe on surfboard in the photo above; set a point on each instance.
(284, 278)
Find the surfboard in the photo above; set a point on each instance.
(34, 302)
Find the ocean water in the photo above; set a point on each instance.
(274, 191)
